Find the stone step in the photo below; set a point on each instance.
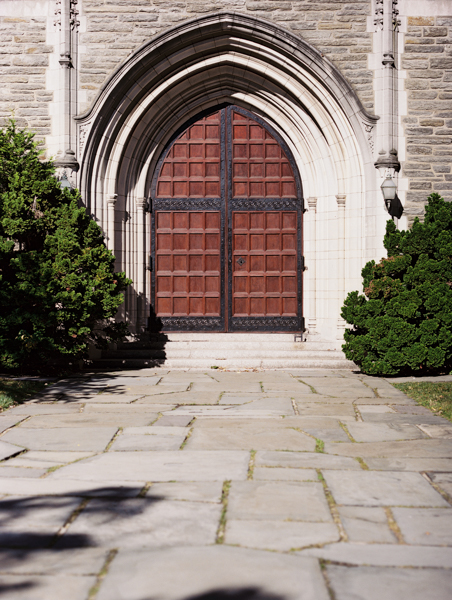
(199, 363)
(171, 352)
(229, 350)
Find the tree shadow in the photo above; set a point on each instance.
(35, 511)
(246, 593)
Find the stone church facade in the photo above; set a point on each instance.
(234, 158)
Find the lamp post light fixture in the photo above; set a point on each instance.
(64, 181)
(389, 190)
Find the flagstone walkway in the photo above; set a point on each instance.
(270, 485)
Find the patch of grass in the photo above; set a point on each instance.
(437, 396)
(319, 445)
(14, 391)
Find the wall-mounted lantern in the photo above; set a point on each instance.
(389, 190)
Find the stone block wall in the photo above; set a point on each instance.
(115, 28)
(24, 59)
(427, 60)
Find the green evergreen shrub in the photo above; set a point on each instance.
(403, 323)
(58, 288)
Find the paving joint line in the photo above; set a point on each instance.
(362, 463)
(447, 497)
(251, 464)
(15, 425)
(295, 407)
(219, 539)
(345, 428)
(75, 513)
(187, 437)
(115, 435)
(145, 489)
(343, 537)
(393, 525)
(92, 594)
(329, 588)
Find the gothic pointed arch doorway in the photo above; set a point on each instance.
(226, 234)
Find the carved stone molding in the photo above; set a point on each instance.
(141, 204)
(83, 132)
(73, 15)
(111, 200)
(369, 129)
(340, 198)
(312, 203)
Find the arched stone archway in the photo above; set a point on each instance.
(236, 59)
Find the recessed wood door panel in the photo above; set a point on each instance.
(226, 225)
(260, 168)
(192, 168)
(188, 264)
(264, 264)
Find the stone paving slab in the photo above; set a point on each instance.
(158, 466)
(249, 438)
(64, 438)
(284, 474)
(224, 411)
(7, 421)
(67, 487)
(437, 431)
(198, 491)
(46, 459)
(145, 523)
(86, 561)
(323, 409)
(402, 419)
(212, 570)
(120, 381)
(410, 464)
(7, 449)
(277, 535)
(45, 408)
(280, 501)
(90, 420)
(410, 448)
(173, 421)
(305, 460)
(444, 480)
(425, 526)
(369, 488)
(178, 398)
(149, 438)
(33, 522)
(391, 401)
(385, 555)
(382, 432)
(126, 409)
(111, 398)
(21, 472)
(370, 583)
(366, 524)
(17, 587)
(374, 408)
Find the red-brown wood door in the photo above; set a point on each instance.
(227, 185)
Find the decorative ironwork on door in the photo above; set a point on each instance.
(226, 228)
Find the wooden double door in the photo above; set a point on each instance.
(226, 229)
